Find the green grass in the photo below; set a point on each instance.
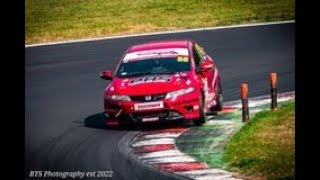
(206, 143)
(52, 20)
(265, 146)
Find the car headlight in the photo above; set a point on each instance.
(120, 98)
(179, 92)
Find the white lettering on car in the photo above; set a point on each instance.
(155, 53)
(149, 79)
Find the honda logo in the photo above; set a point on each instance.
(148, 98)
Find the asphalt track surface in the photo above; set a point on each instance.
(63, 92)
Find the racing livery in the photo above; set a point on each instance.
(163, 81)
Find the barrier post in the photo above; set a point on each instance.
(244, 99)
(273, 90)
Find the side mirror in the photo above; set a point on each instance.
(106, 75)
(205, 66)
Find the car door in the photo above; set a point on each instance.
(207, 77)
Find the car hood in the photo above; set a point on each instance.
(150, 84)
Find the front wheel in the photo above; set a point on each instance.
(202, 119)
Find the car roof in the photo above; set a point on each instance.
(163, 44)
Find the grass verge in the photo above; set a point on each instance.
(206, 143)
(53, 20)
(265, 147)
(261, 149)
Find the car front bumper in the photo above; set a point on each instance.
(180, 108)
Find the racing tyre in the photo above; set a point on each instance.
(219, 105)
(202, 119)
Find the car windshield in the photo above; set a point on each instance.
(170, 65)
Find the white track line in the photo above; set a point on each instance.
(289, 95)
(255, 103)
(175, 159)
(260, 100)
(216, 178)
(204, 174)
(153, 142)
(222, 121)
(166, 153)
(162, 135)
(158, 33)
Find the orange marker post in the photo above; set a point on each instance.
(273, 90)
(244, 99)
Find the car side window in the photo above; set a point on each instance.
(198, 54)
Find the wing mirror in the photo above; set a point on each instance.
(205, 66)
(106, 75)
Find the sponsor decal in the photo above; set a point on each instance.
(155, 53)
(205, 86)
(150, 79)
(214, 77)
(147, 106)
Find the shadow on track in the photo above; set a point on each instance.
(98, 121)
(95, 121)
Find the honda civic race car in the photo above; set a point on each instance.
(163, 81)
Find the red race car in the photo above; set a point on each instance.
(163, 81)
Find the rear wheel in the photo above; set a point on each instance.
(202, 119)
(219, 105)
